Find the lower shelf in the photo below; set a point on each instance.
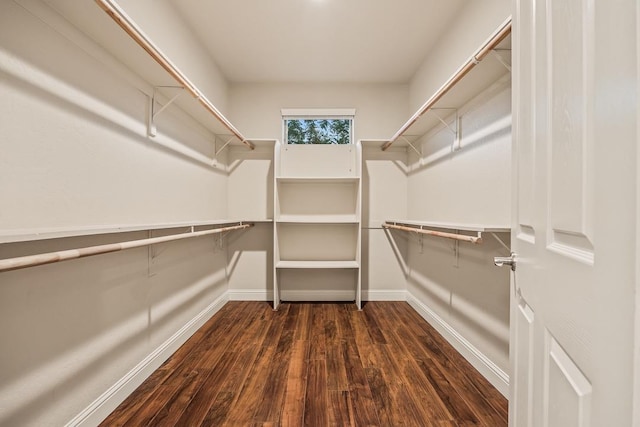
(317, 264)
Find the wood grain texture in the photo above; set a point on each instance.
(315, 365)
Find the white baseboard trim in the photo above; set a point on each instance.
(309, 295)
(317, 295)
(384, 295)
(97, 411)
(249, 295)
(496, 376)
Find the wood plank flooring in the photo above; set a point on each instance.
(314, 365)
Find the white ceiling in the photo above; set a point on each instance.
(374, 41)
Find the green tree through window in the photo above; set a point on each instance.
(318, 131)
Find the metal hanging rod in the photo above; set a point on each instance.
(51, 257)
(463, 237)
(475, 59)
(126, 23)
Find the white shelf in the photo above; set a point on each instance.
(318, 264)
(15, 236)
(319, 179)
(489, 228)
(318, 219)
(318, 200)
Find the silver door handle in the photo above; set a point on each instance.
(506, 260)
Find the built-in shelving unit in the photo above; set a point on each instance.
(317, 204)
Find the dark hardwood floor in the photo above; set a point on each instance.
(314, 365)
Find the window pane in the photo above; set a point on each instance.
(318, 131)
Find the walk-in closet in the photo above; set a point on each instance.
(319, 212)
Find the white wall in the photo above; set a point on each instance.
(250, 197)
(472, 185)
(380, 109)
(75, 154)
(384, 188)
(455, 285)
(458, 282)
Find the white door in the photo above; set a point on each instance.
(575, 212)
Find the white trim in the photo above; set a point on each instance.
(292, 295)
(317, 295)
(318, 112)
(249, 295)
(635, 411)
(384, 295)
(496, 376)
(100, 408)
(27, 235)
(371, 295)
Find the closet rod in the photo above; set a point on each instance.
(51, 257)
(463, 237)
(126, 23)
(475, 59)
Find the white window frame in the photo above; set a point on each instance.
(318, 114)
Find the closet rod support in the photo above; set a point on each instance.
(418, 152)
(501, 60)
(168, 103)
(225, 145)
(151, 124)
(502, 243)
(453, 130)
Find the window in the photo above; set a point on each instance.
(318, 126)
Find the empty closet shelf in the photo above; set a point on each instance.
(319, 219)
(318, 179)
(446, 230)
(318, 264)
(64, 255)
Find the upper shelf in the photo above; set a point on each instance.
(424, 227)
(481, 228)
(320, 179)
(463, 85)
(197, 104)
(15, 236)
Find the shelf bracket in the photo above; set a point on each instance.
(412, 146)
(455, 129)
(153, 113)
(501, 60)
(502, 243)
(225, 145)
(456, 251)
